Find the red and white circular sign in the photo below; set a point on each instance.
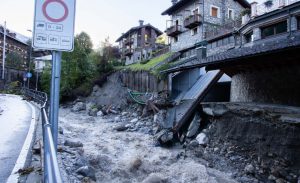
(61, 10)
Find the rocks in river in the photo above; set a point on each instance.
(73, 144)
(124, 113)
(164, 136)
(93, 112)
(121, 127)
(249, 169)
(134, 120)
(154, 178)
(135, 164)
(100, 114)
(202, 139)
(117, 119)
(79, 106)
(87, 171)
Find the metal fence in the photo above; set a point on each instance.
(51, 168)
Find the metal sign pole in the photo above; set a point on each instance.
(55, 88)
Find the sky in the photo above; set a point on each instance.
(98, 18)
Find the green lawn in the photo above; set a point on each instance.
(147, 66)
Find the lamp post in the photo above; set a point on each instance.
(30, 51)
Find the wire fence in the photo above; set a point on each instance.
(51, 168)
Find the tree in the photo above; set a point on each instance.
(77, 68)
(14, 60)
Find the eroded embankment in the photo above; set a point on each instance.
(262, 140)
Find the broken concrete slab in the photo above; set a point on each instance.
(194, 126)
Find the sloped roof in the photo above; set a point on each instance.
(261, 47)
(134, 29)
(181, 3)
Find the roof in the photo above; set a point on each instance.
(14, 38)
(133, 29)
(182, 3)
(261, 47)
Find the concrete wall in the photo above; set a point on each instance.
(184, 81)
(220, 45)
(279, 86)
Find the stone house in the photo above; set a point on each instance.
(14, 45)
(138, 43)
(195, 24)
(13, 70)
(263, 58)
(193, 21)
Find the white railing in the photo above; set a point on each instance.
(275, 4)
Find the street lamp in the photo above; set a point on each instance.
(30, 52)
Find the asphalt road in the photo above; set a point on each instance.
(14, 124)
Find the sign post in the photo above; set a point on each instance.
(54, 30)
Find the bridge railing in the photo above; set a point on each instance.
(51, 168)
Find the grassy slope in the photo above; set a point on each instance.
(147, 66)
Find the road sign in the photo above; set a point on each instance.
(28, 75)
(54, 25)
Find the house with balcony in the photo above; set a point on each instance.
(193, 26)
(263, 58)
(193, 21)
(138, 43)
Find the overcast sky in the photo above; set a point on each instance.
(99, 18)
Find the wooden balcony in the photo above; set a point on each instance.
(192, 21)
(174, 30)
(128, 52)
(128, 41)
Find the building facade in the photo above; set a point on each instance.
(16, 56)
(192, 21)
(263, 58)
(138, 43)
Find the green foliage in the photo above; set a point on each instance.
(13, 88)
(76, 67)
(82, 67)
(149, 65)
(246, 11)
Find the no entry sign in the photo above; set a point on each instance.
(54, 25)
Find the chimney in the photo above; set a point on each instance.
(174, 1)
(281, 3)
(141, 22)
(253, 9)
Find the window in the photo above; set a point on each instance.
(194, 31)
(248, 37)
(195, 11)
(215, 11)
(225, 41)
(230, 14)
(214, 44)
(219, 42)
(231, 39)
(175, 39)
(274, 29)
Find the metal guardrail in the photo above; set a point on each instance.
(51, 168)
